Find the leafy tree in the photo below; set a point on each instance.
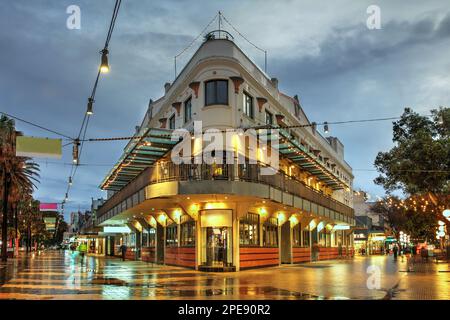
(18, 176)
(419, 162)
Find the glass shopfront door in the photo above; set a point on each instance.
(216, 238)
(218, 246)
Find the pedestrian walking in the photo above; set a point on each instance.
(82, 248)
(123, 249)
(424, 254)
(395, 251)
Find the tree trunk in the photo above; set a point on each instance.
(5, 218)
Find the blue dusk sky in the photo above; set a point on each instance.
(319, 50)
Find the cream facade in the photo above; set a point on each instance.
(230, 216)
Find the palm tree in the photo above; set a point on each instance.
(18, 175)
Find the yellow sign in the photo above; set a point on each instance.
(38, 147)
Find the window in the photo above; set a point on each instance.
(172, 235)
(188, 110)
(270, 232)
(187, 231)
(306, 240)
(248, 105)
(152, 237)
(296, 235)
(216, 92)
(249, 230)
(269, 118)
(172, 122)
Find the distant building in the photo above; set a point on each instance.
(371, 228)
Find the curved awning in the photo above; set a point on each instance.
(141, 152)
(297, 153)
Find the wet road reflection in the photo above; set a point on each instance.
(65, 275)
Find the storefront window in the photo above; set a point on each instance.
(270, 232)
(249, 229)
(152, 237)
(306, 240)
(296, 235)
(145, 238)
(172, 235)
(187, 231)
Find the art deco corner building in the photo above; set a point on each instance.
(224, 216)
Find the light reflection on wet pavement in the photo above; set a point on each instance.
(63, 275)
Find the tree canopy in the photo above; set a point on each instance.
(419, 162)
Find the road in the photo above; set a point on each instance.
(63, 275)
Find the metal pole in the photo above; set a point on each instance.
(265, 61)
(220, 21)
(175, 65)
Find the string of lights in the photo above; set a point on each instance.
(78, 143)
(37, 125)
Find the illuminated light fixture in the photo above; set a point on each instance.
(441, 223)
(66, 197)
(446, 213)
(341, 227)
(75, 151)
(192, 137)
(320, 226)
(104, 67)
(262, 211)
(90, 107)
(281, 217)
(325, 127)
(188, 198)
(177, 213)
(70, 181)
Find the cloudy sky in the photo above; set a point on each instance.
(320, 50)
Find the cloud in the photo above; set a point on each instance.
(324, 53)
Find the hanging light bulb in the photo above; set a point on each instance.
(104, 67)
(70, 181)
(67, 197)
(76, 144)
(90, 107)
(325, 127)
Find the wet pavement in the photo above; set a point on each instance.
(63, 275)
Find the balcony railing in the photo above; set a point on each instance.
(165, 172)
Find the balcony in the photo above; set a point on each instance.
(251, 173)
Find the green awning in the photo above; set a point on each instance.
(297, 153)
(139, 154)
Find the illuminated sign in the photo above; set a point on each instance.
(123, 229)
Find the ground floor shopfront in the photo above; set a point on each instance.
(228, 235)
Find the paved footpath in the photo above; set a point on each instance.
(63, 275)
